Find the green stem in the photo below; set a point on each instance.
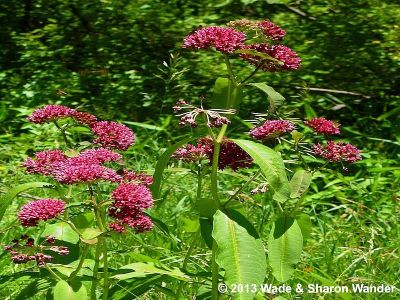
(215, 272)
(230, 72)
(68, 144)
(185, 263)
(105, 266)
(251, 75)
(53, 273)
(81, 261)
(252, 178)
(214, 173)
(95, 271)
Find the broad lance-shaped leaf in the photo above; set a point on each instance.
(285, 244)
(240, 254)
(272, 166)
(6, 199)
(73, 291)
(299, 183)
(275, 99)
(226, 94)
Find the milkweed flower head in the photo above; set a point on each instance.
(84, 118)
(40, 210)
(127, 208)
(99, 155)
(113, 135)
(323, 126)
(83, 171)
(271, 30)
(225, 40)
(288, 59)
(193, 153)
(230, 155)
(272, 129)
(43, 162)
(337, 152)
(50, 113)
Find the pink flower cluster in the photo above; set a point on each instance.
(138, 178)
(271, 30)
(230, 156)
(40, 210)
(272, 129)
(108, 134)
(337, 152)
(129, 202)
(323, 126)
(85, 167)
(228, 40)
(288, 59)
(225, 40)
(193, 153)
(55, 112)
(113, 135)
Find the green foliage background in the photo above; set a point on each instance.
(122, 60)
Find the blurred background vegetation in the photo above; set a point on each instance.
(123, 60)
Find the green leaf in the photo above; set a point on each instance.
(6, 199)
(271, 165)
(162, 164)
(299, 183)
(305, 224)
(226, 94)
(285, 244)
(64, 291)
(275, 99)
(278, 1)
(84, 220)
(239, 253)
(145, 269)
(144, 125)
(61, 231)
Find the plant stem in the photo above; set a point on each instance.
(214, 173)
(186, 261)
(52, 272)
(252, 178)
(215, 272)
(252, 74)
(68, 144)
(230, 72)
(105, 267)
(81, 261)
(95, 271)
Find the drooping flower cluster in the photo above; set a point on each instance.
(323, 126)
(337, 152)
(129, 202)
(40, 210)
(285, 59)
(113, 135)
(23, 253)
(230, 156)
(272, 129)
(213, 117)
(85, 167)
(225, 40)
